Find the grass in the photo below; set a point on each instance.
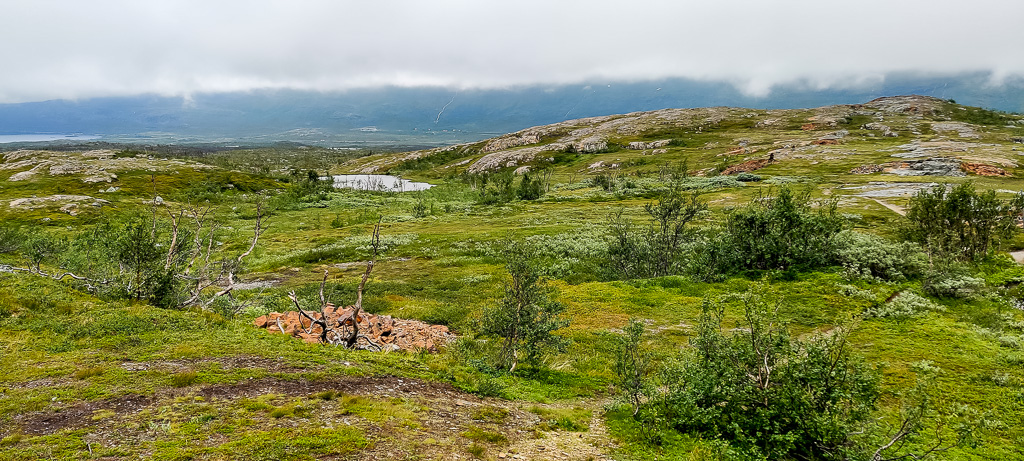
(63, 348)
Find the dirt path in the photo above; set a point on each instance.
(594, 444)
(896, 208)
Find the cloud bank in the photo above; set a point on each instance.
(75, 50)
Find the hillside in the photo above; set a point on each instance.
(161, 343)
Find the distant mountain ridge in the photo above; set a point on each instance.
(438, 116)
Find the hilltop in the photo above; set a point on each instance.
(735, 134)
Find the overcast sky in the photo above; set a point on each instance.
(79, 49)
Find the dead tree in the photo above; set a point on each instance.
(344, 330)
(202, 271)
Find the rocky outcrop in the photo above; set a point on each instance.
(69, 203)
(886, 131)
(590, 145)
(935, 166)
(390, 333)
(913, 104)
(962, 129)
(640, 145)
(510, 141)
(511, 158)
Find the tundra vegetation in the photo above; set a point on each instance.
(842, 294)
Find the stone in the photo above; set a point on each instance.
(981, 169)
(640, 145)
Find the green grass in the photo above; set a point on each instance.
(63, 348)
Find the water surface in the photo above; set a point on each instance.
(9, 138)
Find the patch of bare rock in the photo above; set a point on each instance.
(68, 203)
(935, 166)
(92, 166)
(912, 104)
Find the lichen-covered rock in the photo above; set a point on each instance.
(386, 332)
(640, 145)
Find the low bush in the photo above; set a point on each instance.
(767, 393)
(871, 257)
(904, 305)
(781, 232)
(952, 283)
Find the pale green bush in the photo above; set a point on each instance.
(905, 305)
(875, 258)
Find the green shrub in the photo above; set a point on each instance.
(530, 189)
(748, 177)
(525, 318)
(952, 284)
(960, 223)
(655, 250)
(773, 232)
(906, 304)
(871, 257)
(11, 239)
(633, 365)
(767, 393)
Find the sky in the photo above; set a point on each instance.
(51, 49)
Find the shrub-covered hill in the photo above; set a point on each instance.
(681, 284)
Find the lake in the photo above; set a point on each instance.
(378, 182)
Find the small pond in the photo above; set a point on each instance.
(378, 182)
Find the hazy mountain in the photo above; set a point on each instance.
(436, 116)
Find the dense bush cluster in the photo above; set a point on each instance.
(872, 257)
(770, 395)
(654, 250)
(501, 187)
(960, 222)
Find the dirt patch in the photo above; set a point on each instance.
(749, 165)
(79, 415)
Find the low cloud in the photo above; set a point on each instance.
(74, 50)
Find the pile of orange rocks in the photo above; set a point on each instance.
(388, 332)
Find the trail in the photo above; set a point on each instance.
(896, 208)
(443, 108)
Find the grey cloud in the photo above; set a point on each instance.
(70, 49)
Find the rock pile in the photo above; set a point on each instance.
(390, 333)
(981, 169)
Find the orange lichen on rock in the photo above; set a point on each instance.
(388, 332)
(982, 169)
